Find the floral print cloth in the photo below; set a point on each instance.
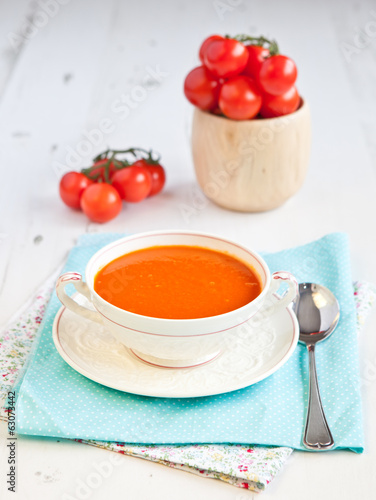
(249, 467)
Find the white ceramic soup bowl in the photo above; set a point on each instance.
(174, 343)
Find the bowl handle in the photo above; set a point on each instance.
(76, 280)
(278, 278)
(293, 287)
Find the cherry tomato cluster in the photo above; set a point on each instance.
(243, 77)
(99, 190)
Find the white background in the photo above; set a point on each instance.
(59, 80)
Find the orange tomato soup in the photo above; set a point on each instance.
(177, 282)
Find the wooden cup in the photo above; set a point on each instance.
(251, 165)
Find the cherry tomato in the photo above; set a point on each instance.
(205, 44)
(132, 183)
(226, 58)
(201, 88)
(158, 175)
(98, 174)
(240, 98)
(101, 202)
(277, 75)
(71, 187)
(256, 56)
(278, 105)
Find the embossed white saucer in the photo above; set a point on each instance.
(91, 350)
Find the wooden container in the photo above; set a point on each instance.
(251, 165)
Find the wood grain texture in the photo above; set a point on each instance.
(13, 23)
(251, 165)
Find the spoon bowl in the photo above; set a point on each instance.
(317, 311)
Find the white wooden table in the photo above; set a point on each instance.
(65, 66)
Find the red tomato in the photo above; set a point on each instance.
(240, 98)
(101, 202)
(256, 56)
(201, 88)
(278, 105)
(226, 58)
(277, 75)
(205, 44)
(98, 174)
(158, 175)
(132, 183)
(71, 187)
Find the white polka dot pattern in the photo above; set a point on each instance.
(55, 400)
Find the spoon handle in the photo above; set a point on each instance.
(317, 435)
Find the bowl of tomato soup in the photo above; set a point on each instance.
(176, 298)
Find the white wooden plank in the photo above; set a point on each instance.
(13, 22)
(355, 28)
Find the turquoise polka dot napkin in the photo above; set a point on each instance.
(55, 400)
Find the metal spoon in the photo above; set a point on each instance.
(317, 311)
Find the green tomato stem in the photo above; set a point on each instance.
(110, 156)
(261, 41)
